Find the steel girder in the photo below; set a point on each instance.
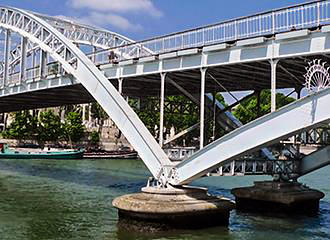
(52, 41)
(304, 114)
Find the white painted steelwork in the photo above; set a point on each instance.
(82, 69)
(230, 119)
(78, 33)
(63, 50)
(315, 161)
(317, 76)
(303, 114)
(302, 16)
(243, 167)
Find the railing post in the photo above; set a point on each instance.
(235, 29)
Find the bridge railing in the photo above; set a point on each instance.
(302, 16)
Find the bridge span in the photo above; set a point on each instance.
(50, 62)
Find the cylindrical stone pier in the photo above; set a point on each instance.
(283, 197)
(172, 208)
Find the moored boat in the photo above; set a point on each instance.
(119, 154)
(7, 153)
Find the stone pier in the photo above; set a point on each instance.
(172, 208)
(270, 196)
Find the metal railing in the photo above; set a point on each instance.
(302, 16)
(52, 69)
(308, 15)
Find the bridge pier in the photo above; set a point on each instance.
(274, 197)
(159, 209)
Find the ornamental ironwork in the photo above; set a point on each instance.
(317, 76)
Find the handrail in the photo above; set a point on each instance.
(306, 15)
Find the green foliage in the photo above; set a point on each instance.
(95, 138)
(66, 109)
(24, 126)
(98, 112)
(221, 99)
(248, 110)
(73, 130)
(47, 128)
(50, 127)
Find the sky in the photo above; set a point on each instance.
(143, 19)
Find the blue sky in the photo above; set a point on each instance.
(141, 19)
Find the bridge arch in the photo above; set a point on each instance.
(50, 40)
(79, 34)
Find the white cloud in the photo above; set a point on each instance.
(120, 6)
(102, 19)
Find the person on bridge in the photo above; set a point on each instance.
(113, 57)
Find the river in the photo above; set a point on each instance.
(71, 199)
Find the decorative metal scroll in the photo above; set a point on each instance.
(317, 76)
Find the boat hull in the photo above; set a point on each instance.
(49, 155)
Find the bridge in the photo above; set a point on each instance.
(50, 62)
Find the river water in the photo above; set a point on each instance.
(71, 199)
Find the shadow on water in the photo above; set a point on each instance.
(215, 233)
(103, 177)
(288, 226)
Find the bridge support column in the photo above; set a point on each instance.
(159, 209)
(162, 101)
(273, 64)
(120, 85)
(271, 196)
(202, 108)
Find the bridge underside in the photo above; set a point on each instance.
(236, 77)
(53, 97)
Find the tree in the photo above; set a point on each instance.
(49, 127)
(95, 138)
(24, 126)
(73, 130)
(98, 113)
(248, 109)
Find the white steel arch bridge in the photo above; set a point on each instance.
(49, 66)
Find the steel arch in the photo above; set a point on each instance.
(57, 45)
(77, 33)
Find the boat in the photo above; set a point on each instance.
(7, 153)
(111, 155)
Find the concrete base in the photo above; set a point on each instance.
(269, 196)
(179, 208)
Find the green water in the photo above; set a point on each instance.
(47, 199)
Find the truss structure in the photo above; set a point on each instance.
(56, 45)
(49, 44)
